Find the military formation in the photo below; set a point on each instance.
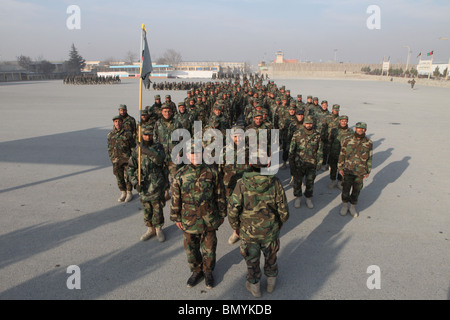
(146, 156)
(91, 79)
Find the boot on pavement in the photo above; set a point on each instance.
(298, 202)
(309, 203)
(254, 289)
(122, 197)
(344, 209)
(271, 281)
(129, 196)
(160, 235)
(353, 212)
(149, 234)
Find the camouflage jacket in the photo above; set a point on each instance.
(258, 207)
(153, 171)
(129, 123)
(120, 144)
(163, 134)
(356, 156)
(321, 124)
(198, 198)
(306, 148)
(186, 120)
(337, 135)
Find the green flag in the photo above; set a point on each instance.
(146, 60)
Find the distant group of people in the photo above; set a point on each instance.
(312, 138)
(91, 79)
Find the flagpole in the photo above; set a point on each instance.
(140, 108)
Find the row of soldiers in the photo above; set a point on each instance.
(255, 203)
(91, 79)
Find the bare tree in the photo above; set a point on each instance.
(25, 62)
(170, 57)
(130, 57)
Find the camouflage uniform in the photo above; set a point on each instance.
(162, 134)
(257, 209)
(129, 124)
(335, 139)
(355, 160)
(120, 144)
(153, 180)
(321, 117)
(198, 202)
(305, 155)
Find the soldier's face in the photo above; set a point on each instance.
(182, 109)
(123, 112)
(217, 112)
(158, 100)
(258, 120)
(144, 117)
(118, 124)
(291, 112)
(324, 106)
(195, 158)
(360, 131)
(335, 111)
(343, 123)
(300, 117)
(166, 113)
(147, 138)
(308, 126)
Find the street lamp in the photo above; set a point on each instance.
(448, 65)
(407, 59)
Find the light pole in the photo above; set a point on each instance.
(407, 59)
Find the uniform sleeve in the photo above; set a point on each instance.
(320, 153)
(369, 161)
(235, 206)
(281, 200)
(175, 208)
(342, 155)
(220, 194)
(132, 170)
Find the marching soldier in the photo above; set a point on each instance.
(129, 123)
(198, 209)
(153, 182)
(120, 144)
(335, 139)
(355, 164)
(305, 154)
(257, 210)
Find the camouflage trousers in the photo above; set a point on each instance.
(251, 251)
(333, 162)
(123, 182)
(201, 250)
(153, 213)
(353, 183)
(326, 152)
(307, 172)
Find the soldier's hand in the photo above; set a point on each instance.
(341, 172)
(179, 225)
(138, 187)
(366, 176)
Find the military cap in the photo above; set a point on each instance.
(299, 96)
(157, 97)
(168, 96)
(292, 106)
(277, 99)
(315, 99)
(119, 117)
(293, 103)
(361, 125)
(165, 106)
(181, 103)
(284, 97)
(144, 112)
(194, 146)
(300, 111)
(288, 91)
(265, 111)
(343, 117)
(237, 127)
(258, 113)
(324, 101)
(308, 119)
(336, 107)
(309, 97)
(218, 106)
(123, 106)
(147, 130)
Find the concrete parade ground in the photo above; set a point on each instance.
(58, 203)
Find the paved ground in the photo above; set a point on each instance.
(58, 203)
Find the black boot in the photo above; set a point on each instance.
(194, 278)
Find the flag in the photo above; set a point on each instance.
(146, 60)
(430, 53)
(419, 55)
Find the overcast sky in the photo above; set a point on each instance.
(228, 30)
